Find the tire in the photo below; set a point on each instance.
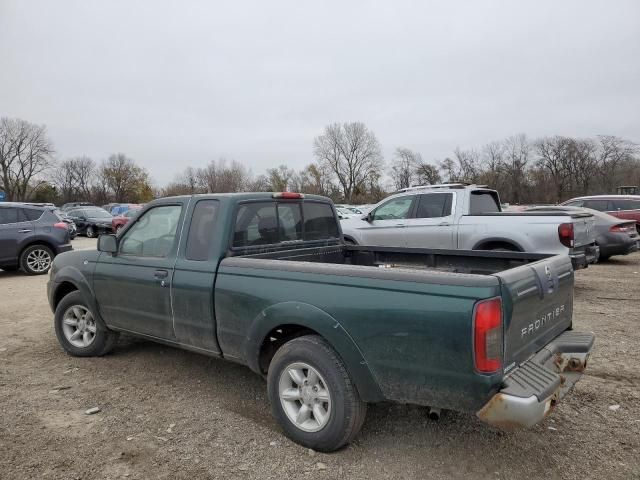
(36, 259)
(99, 341)
(344, 412)
(90, 232)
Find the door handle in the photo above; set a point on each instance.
(24, 230)
(159, 274)
(444, 224)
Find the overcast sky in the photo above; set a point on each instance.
(180, 83)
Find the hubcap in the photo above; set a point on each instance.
(39, 260)
(78, 326)
(305, 397)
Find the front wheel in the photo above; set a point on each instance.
(77, 330)
(312, 396)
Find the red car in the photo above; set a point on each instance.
(121, 220)
(621, 206)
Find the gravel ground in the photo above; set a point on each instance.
(166, 413)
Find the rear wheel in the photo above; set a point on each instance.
(91, 232)
(36, 259)
(77, 330)
(312, 395)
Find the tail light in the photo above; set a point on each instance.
(487, 335)
(620, 229)
(565, 233)
(288, 195)
(62, 225)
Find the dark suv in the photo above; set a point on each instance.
(30, 237)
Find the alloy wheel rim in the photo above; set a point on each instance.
(305, 397)
(79, 326)
(39, 260)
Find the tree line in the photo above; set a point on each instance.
(348, 166)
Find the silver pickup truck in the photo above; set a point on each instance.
(469, 217)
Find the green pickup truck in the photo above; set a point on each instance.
(265, 279)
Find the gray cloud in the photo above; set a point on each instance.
(173, 84)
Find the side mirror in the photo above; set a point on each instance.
(368, 217)
(108, 243)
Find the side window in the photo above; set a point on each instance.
(201, 230)
(483, 202)
(8, 215)
(319, 221)
(290, 221)
(624, 205)
(600, 205)
(395, 209)
(32, 214)
(434, 205)
(256, 224)
(154, 234)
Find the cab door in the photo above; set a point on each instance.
(133, 287)
(388, 222)
(432, 225)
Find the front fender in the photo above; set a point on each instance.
(309, 316)
(71, 274)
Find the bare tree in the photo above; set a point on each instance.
(25, 153)
(450, 170)
(316, 179)
(126, 181)
(352, 153)
(403, 168)
(517, 157)
(427, 174)
(612, 152)
(220, 177)
(74, 178)
(280, 178)
(554, 158)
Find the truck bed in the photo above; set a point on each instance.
(455, 261)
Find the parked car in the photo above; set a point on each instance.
(91, 221)
(265, 280)
(613, 236)
(123, 207)
(621, 206)
(30, 237)
(344, 212)
(469, 217)
(73, 230)
(118, 223)
(70, 205)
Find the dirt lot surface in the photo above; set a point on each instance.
(167, 413)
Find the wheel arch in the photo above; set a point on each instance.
(282, 322)
(498, 242)
(69, 279)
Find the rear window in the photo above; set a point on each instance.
(319, 221)
(266, 223)
(483, 202)
(434, 205)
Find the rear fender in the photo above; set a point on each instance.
(311, 317)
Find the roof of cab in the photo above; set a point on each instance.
(241, 196)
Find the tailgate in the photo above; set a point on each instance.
(583, 229)
(537, 306)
